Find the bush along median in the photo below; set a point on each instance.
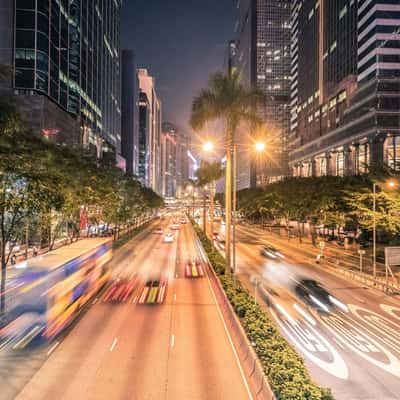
(284, 368)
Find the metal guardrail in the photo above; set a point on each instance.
(248, 358)
(341, 267)
(365, 279)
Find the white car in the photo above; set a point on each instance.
(158, 231)
(169, 238)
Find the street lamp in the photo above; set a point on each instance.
(391, 183)
(208, 146)
(259, 147)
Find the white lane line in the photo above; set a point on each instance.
(114, 343)
(53, 348)
(339, 343)
(175, 297)
(172, 340)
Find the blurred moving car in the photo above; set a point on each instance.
(169, 238)
(316, 296)
(158, 231)
(153, 292)
(183, 221)
(271, 252)
(120, 290)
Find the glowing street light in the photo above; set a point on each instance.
(208, 146)
(259, 146)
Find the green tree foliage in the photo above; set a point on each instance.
(40, 180)
(335, 202)
(230, 101)
(208, 174)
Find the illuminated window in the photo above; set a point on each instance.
(392, 147)
(362, 159)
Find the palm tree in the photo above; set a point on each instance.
(208, 174)
(229, 100)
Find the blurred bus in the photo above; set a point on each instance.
(51, 289)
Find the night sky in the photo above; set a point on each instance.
(180, 42)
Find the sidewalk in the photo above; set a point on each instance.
(332, 252)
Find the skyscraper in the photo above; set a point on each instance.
(65, 58)
(149, 132)
(262, 56)
(130, 112)
(169, 154)
(345, 86)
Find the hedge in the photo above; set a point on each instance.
(285, 369)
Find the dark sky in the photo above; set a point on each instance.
(180, 42)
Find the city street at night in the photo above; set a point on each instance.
(200, 200)
(123, 349)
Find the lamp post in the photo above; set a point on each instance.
(231, 205)
(374, 229)
(391, 184)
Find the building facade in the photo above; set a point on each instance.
(130, 112)
(66, 74)
(345, 92)
(169, 153)
(262, 56)
(149, 166)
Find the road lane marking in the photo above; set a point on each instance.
(172, 340)
(339, 343)
(95, 300)
(304, 314)
(53, 348)
(381, 323)
(391, 310)
(337, 367)
(114, 343)
(175, 297)
(362, 343)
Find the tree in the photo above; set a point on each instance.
(229, 100)
(27, 182)
(208, 174)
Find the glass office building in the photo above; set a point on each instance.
(262, 56)
(66, 67)
(345, 86)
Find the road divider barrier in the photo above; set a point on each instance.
(274, 368)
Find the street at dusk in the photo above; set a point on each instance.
(200, 200)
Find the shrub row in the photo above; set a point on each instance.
(284, 368)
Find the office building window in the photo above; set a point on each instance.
(362, 161)
(340, 163)
(392, 150)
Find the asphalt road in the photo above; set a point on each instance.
(125, 350)
(355, 352)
